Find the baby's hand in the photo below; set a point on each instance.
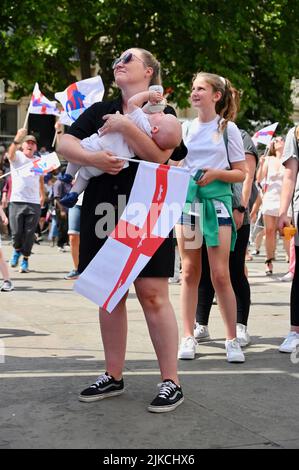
(155, 97)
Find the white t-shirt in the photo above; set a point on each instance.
(206, 146)
(24, 188)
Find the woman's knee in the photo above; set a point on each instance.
(270, 232)
(190, 272)
(152, 294)
(220, 278)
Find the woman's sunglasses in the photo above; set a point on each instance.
(126, 59)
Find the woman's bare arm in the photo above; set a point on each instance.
(70, 147)
(235, 175)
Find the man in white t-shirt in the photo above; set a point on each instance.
(27, 196)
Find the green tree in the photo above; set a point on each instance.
(253, 43)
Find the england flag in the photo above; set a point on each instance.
(155, 205)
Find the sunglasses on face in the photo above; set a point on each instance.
(126, 59)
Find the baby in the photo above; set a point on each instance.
(164, 129)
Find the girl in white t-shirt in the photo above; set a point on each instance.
(221, 165)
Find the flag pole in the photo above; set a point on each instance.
(128, 159)
(27, 116)
(6, 174)
(54, 140)
(20, 167)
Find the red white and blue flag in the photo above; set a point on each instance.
(46, 163)
(79, 96)
(39, 104)
(40, 165)
(265, 135)
(152, 211)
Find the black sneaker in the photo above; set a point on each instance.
(104, 387)
(169, 397)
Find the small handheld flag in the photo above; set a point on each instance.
(265, 135)
(45, 164)
(79, 96)
(39, 104)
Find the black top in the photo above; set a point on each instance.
(113, 190)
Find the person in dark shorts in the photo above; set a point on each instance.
(135, 70)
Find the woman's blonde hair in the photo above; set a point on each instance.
(227, 106)
(152, 62)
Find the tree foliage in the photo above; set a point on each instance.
(253, 43)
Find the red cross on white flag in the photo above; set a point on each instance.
(155, 205)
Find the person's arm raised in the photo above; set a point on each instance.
(17, 141)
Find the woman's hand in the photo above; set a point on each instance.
(106, 161)
(4, 218)
(283, 221)
(114, 123)
(20, 135)
(209, 175)
(238, 218)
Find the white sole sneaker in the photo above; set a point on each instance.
(290, 344)
(187, 348)
(186, 355)
(234, 353)
(201, 333)
(202, 339)
(88, 399)
(165, 409)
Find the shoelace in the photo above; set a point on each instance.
(101, 380)
(166, 389)
(234, 344)
(189, 339)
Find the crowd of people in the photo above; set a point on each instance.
(30, 207)
(233, 196)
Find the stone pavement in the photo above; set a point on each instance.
(52, 350)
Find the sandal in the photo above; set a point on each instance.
(269, 270)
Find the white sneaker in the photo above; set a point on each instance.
(288, 277)
(290, 343)
(7, 286)
(187, 348)
(243, 335)
(233, 351)
(201, 332)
